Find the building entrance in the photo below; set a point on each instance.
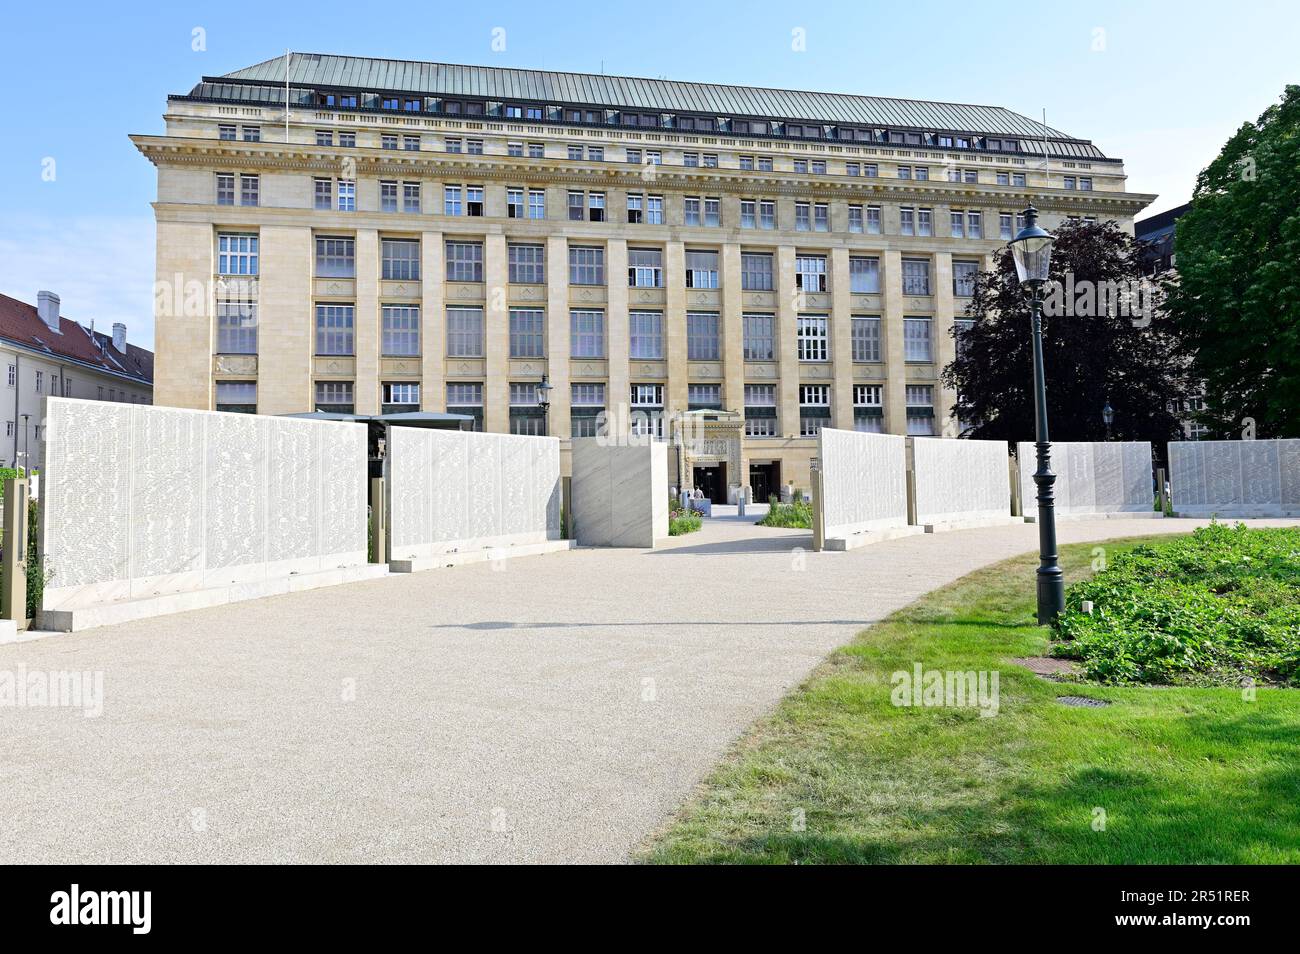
(764, 480)
(711, 479)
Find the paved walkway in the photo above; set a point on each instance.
(556, 709)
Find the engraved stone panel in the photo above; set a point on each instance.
(1092, 476)
(167, 490)
(236, 463)
(620, 492)
(864, 477)
(960, 480)
(1235, 478)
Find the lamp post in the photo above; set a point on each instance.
(1032, 251)
(544, 401)
(1108, 415)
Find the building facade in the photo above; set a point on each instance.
(45, 354)
(424, 236)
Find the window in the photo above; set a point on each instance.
(1004, 225)
(974, 225)
(756, 271)
(252, 133)
(596, 153)
(1085, 184)
(387, 196)
(397, 397)
(586, 405)
(865, 337)
(399, 260)
(747, 163)
(1018, 179)
(237, 397)
(401, 330)
(873, 219)
(921, 173)
(526, 332)
(587, 333)
(920, 410)
(916, 276)
(335, 257)
(812, 337)
(760, 410)
(1069, 182)
(645, 268)
(515, 150)
(691, 210)
(464, 331)
(586, 265)
(704, 397)
(647, 335)
(916, 340)
(802, 217)
(904, 172)
(864, 276)
(226, 132)
(473, 200)
(390, 142)
(855, 218)
(464, 261)
(225, 189)
(868, 412)
(464, 397)
(767, 214)
(13, 375)
(248, 190)
(334, 396)
(748, 214)
(810, 273)
(334, 329)
(963, 278)
(236, 327)
(654, 210)
(236, 253)
(710, 160)
(923, 222)
(758, 336)
(474, 147)
(647, 410)
(536, 150)
(635, 208)
(701, 269)
(764, 163)
(906, 221)
(525, 415)
(702, 336)
(411, 197)
(870, 170)
(451, 200)
(690, 159)
(577, 202)
(536, 203)
(960, 327)
(713, 212)
(575, 152)
(1004, 178)
(958, 224)
(411, 143)
(450, 144)
(596, 206)
(324, 189)
(514, 203)
(814, 408)
(526, 264)
(324, 137)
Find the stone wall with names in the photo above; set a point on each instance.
(1092, 477)
(864, 481)
(1235, 478)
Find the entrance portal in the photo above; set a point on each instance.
(764, 480)
(712, 481)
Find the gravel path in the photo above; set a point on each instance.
(555, 709)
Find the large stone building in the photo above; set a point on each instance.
(417, 235)
(44, 354)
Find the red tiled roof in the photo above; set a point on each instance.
(21, 324)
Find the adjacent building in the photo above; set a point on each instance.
(46, 354)
(754, 263)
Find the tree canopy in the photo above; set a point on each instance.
(1094, 348)
(1235, 300)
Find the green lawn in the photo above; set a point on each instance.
(1183, 776)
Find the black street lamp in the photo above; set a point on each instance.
(1032, 251)
(544, 400)
(1108, 415)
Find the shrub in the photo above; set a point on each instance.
(792, 515)
(683, 521)
(1214, 608)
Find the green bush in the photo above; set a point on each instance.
(792, 515)
(1214, 608)
(683, 521)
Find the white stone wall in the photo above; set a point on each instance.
(620, 493)
(960, 480)
(864, 481)
(454, 491)
(1235, 478)
(141, 501)
(1092, 477)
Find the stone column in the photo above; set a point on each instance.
(945, 346)
(787, 341)
(675, 394)
(891, 344)
(557, 333)
(366, 323)
(186, 342)
(433, 325)
(841, 340)
(733, 330)
(618, 344)
(496, 337)
(286, 336)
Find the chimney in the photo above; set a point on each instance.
(119, 337)
(47, 306)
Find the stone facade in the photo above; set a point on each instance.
(824, 213)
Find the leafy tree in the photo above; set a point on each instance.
(1095, 347)
(1235, 299)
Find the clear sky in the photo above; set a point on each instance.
(1160, 85)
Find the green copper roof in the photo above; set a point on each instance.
(586, 89)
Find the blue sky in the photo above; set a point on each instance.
(1161, 85)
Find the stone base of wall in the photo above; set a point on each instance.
(1101, 515)
(488, 555)
(867, 537)
(1234, 512)
(126, 611)
(969, 523)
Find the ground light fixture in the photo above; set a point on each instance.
(1032, 251)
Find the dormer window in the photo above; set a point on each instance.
(388, 102)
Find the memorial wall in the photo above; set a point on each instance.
(864, 481)
(960, 480)
(1235, 478)
(1092, 477)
